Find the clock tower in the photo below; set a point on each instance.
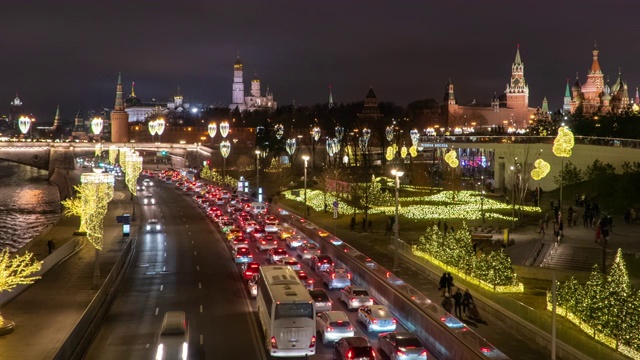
(518, 92)
(237, 89)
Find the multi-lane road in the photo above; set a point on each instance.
(187, 266)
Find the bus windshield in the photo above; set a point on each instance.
(300, 310)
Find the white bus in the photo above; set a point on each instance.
(286, 312)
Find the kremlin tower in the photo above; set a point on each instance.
(119, 117)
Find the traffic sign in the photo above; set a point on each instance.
(123, 219)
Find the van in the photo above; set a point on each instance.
(173, 339)
(258, 208)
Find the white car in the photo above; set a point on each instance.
(295, 240)
(290, 262)
(376, 318)
(153, 225)
(173, 339)
(354, 297)
(333, 326)
(271, 227)
(307, 250)
(148, 199)
(147, 182)
(402, 345)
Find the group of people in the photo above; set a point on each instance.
(462, 302)
(352, 226)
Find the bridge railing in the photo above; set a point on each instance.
(522, 139)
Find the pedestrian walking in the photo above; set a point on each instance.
(570, 213)
(439, 225)
(51, 245)
(598, 233)
(457, 303)
(546, 220)
(387, 230)
(574, 218)
(442, 285)
(605, 234)
(633, 215)
(352, 226)
(541, 227)
(446, 227)
(446, 304)
(364, 224)
(449, 282)
(466, 301)
(370, 223)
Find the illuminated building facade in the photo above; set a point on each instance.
(255, 101)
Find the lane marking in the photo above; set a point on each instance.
(189, 232)
(161, 287)
(191, 242)
(201, 339)
(195, 253)
(198, 267)
(157, 309)
(187, 225)
(199, 285)
(201, 310)
(165, 254)
(164, 268)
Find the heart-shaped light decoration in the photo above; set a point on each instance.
(415, 136)
(339, 132)
(24, 123)
(540, 170)
(388, 133)
(212, 129)
(224, 129)
(291, 146)
(452, 158)
(391, 152)
(413, 151)
(96, 125)
(225, 148)
(153, 127)
(315, 132)
(563, 143)
(404, 151)
(279, 131)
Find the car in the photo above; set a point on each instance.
(335, 241)
(233, 232)
(355, 296)
(401, 345)
(271, 227)
(267, 242)
(289, 261)
(333, 326)
(250, 269)
(308, 250)
(276, 254)
(376, 318)
(225, 194)
(337, 278)
(272, 218)
(353, 347)
(153, 225)
(147, 182)
(226, 225)
(173, 338)
(322, 232)
(321, 263)
(242, 255)
(295, 240)
(250, 225)
(239, 241)
(306, 281)
(148, 199)
(321, 300)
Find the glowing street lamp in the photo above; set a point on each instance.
(225, 149)
(24, 123)
(160, 125)
(291, 146)
(396, 243)
(306, 208)
(279, 131)
(96, 125)
(153, 129)
(212, 129)
(257, 170)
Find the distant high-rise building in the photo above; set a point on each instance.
(119, 117)
(249, 103)
(330, 98)
(518, 92)
(15, 111)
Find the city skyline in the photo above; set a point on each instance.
(70, 54)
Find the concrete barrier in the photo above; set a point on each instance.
(49, 262)
(78, 341)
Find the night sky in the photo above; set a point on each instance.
(69, 52)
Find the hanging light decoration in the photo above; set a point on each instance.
(366, 134)
(225, 147)
(339, 133)
(391, 153)
(279, 131)
(24, 123)
(153, 127)
(388, 132)
(96, 125)
(415, 137)
(331, 150)
(291, 146)
(563, 143)
(316, 133)
(113, 153)
(336, 145)
(413, 151)
(540, 169)
(451, 158)
(362, 143)
(160, 124)
(404, 151)
(224, 129)
(212, 129)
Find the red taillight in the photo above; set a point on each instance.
(349, 276)
(371, 300)
(262, 242)
(485, 349)
(333, 276)
(319, 264)
(353, 299)
(313, 342)
(423, 353)
(350, 354)
(238, 255)
(400, 353)
(274, 343)
(329, 329)
(350, 328)
(394, 321)
(375, 321)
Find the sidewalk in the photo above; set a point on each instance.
(49, 309)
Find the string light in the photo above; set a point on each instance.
(16, 270)
(540, 169)
(563, 143)
(451, 159)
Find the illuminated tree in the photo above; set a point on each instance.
(75, 206)
(96, 200)
(133, 167)
(205, 173)
(596, 304)
(16, 270)
(618, 291)
(113, 153)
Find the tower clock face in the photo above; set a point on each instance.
(516, 82)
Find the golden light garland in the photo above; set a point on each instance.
(451, 159)
(413, 151)
(391, 153)
(403, 151)
(113, 153)
(133, 167)
(563, 143)
(16, 270)
(540, 169)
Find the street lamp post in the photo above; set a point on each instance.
(306, 162)
(160, 124)
(225, 149)
(257, 171)
(396, 242)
